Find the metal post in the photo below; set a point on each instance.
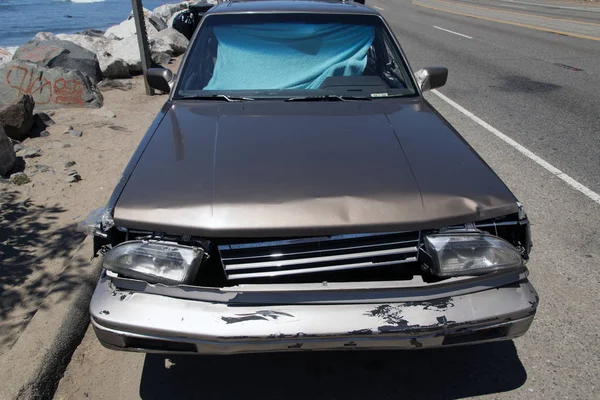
(142, 35)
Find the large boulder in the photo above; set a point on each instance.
(174, 39)
(92, 32)
(158, 22)
(7, 153)
(147, 13)
(166, 11)
(111, 67)
(16, 118)
(50, 87)
(43, 36)
(158, 45)
(61, 53)
(161, 58)
(5, 56)
(128, 50)
(127, 29)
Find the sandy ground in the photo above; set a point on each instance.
(38, 219)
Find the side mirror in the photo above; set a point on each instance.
(160, 79)
(431, 78)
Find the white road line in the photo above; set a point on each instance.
(590, 9)
(540, 161)
(379, 8)
(456, 33)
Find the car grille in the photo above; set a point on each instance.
(319, 254)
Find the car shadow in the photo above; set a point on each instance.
(431, 374)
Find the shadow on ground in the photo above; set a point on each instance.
(29, 240)
(430, 374)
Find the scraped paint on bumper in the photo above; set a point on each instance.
(136, 321)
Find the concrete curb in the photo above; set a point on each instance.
(36, 362)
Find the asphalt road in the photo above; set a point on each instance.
(542, 90)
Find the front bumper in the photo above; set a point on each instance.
(137, 321)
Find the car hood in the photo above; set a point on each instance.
(274, 169)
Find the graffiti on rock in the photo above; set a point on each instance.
(68, 92)
(44, 91)
(40, 53)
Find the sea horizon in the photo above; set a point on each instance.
(21, 20)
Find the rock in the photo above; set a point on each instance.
(158, 45)
(127, 29)
(118, 128)
(110, 66)
(42, 168)
(75, 133)
(50, 87)
(44, 133)
(72, 176)
(7, 153)
(66, 146)
(5, 56)
(174, 39)
(45, 118)
(30, 153)
(161, 58)
(69, 128)
(166, 11)
(113, 67)
(103, 112)
(69, 164)
(61, 53)
(94, 44)
(156, 20)
(19, 178)
(17, 117)
(18, 147)
(93, 33)
(43, 36)
(147, 13)
(128, 50)
(109, 84)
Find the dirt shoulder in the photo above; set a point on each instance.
(38, 219)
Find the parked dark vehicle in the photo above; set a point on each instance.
(186, 21)
(297, 192)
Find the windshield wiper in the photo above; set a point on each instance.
(328, 97)
(220, 97)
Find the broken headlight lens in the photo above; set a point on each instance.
(154, 262)
(97, 222)
(470, 254)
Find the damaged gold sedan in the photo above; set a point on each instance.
(297, 192)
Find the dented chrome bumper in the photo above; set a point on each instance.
(137, 321)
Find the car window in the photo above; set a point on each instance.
(283, 55)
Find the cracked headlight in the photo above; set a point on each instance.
(154, 262)
(470, 254)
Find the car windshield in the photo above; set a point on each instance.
(295, 57)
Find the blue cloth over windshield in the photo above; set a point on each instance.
(288, 55)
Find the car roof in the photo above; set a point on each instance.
(296, 6)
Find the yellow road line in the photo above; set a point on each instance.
(538, 28)
(518, 13)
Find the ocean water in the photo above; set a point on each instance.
(20, 20)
